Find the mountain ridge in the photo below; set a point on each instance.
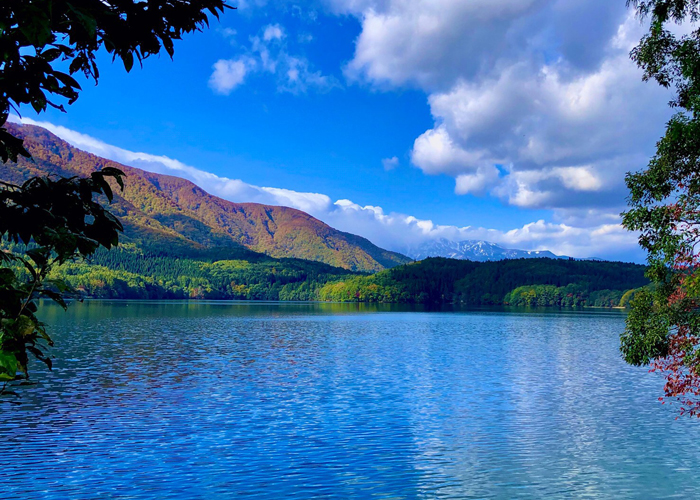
(159, 209)
(474, 250)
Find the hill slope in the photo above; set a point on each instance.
(164, 211)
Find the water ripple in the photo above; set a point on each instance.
(275, 401)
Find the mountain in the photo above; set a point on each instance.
(476, 250)
(161, 211)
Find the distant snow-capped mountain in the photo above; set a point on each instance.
(476, 250)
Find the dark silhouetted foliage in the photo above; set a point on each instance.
(40, 38)
(53, 222)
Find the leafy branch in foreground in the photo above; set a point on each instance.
(43, 43)
(57, 221)
(663, 327)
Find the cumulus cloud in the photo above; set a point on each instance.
(390, 163)
(268, 53)
(394, 231)
(229, 74)
(534, 101)
(273, 32)
(477, 182)
(436, 152)
(427, 42)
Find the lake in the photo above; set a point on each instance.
(296, 401)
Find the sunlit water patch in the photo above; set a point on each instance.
(297, 401)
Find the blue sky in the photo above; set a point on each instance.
(508, 120)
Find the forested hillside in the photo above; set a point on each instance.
(129, 272)
(530, 282)
(132, 273)
(164, 212)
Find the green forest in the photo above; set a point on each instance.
(129, 272)
(133, 272)
(521, 282)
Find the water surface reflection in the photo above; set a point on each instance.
(221, 400)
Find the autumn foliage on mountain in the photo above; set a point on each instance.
(161, 211)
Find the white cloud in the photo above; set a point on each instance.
(390, 163)
(436, 152)
(273, 32)
(269, 53)
(229, 74)
(299, 76)
(229, 32)
(427, 42)
(394, 231)
(578, 178)
(477, 182)
(542, 89)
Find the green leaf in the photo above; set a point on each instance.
(25, 326)
(8, 365)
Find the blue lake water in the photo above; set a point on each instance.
(297, 401)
